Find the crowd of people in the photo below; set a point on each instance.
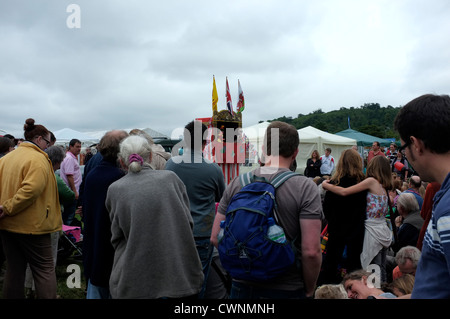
(151, 221)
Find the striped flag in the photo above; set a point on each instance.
(241, 104)
(215, 97)
(228, 96)
(230, 171)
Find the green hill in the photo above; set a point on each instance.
(369, 118)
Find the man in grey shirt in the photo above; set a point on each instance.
(205, 185)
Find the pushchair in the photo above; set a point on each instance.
(70, 243)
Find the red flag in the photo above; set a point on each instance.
(228, 96)
(241, 104)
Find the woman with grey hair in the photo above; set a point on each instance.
(160, 156)
(56, 155)
(409, 222)
(151, 225)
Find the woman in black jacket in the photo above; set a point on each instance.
(345, 217)
(313, 165)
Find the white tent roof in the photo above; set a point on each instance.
(312, 139)
(154, 134)
(311, 134)
(66, 134)
(256, 131)
(255, 134)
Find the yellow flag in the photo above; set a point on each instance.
(215, 97)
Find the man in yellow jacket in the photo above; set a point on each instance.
(29, 213)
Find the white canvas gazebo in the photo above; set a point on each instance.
(255, 136)
(312, 139)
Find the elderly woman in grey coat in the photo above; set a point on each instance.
(155, 254)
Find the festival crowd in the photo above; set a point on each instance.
(153, 223)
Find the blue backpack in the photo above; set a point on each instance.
(245, 251)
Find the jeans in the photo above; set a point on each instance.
(97, 292)
(205, 251)
(240, 290)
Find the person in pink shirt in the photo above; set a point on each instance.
(71, 174)
(375, 151)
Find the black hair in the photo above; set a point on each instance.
(283, 134)
(74, 141)
(192, 136)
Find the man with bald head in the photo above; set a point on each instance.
(414, 185)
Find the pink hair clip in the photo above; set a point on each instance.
(135, 158)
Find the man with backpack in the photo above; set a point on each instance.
(298, 212)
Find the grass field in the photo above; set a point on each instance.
(63, 275)
(66, 278)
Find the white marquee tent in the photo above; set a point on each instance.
(310, 139)
(154, 134)
(255, 135)
(64, 136)
(314, 139)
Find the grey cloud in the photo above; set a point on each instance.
(150, 63)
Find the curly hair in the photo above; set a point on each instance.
(348, 165)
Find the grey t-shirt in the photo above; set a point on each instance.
(204, 185)
(297, 198)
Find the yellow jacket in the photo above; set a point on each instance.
(29, 192)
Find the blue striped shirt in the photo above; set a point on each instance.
(433, 272)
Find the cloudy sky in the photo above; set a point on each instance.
(147, 63)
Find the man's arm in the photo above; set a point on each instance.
(72, 185)
(216, 228)
(311, 253)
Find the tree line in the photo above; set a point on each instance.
(369, 118)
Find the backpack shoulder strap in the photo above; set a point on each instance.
(277, 182)
(281, 178)
(249, 178)
(246, 178)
